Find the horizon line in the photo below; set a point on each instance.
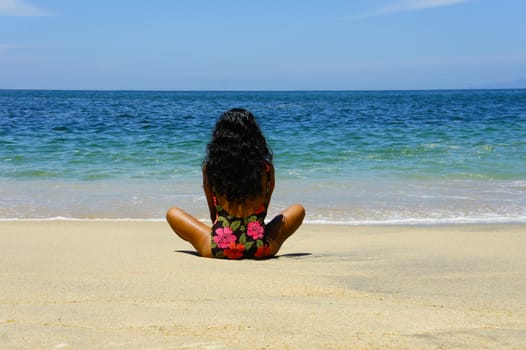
(260, 90)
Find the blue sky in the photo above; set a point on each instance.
(261, 44)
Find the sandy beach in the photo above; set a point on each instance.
(134, 285)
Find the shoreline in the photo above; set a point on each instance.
(327, 202)
(372, 223)
(135, 285)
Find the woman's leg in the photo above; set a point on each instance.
(284, 225)
(190, 229)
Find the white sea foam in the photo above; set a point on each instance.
(61, 218)
(364, 222)
(423, 221)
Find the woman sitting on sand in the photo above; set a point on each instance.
(238, 180)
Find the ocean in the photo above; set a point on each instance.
(350, 157)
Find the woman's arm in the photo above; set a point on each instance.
(271, 181)
(209, 196)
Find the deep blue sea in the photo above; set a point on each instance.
(350, 157)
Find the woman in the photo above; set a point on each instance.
(238, 180)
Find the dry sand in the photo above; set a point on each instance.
(133, 285)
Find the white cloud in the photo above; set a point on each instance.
(20, 8)
(409, 5)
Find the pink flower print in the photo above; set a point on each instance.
(255, 230)
(224, 237)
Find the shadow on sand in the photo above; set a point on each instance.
(279, 256)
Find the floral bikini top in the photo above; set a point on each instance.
(238, 238)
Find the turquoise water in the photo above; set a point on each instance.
(349, 157)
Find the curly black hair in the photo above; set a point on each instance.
(237, 156)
